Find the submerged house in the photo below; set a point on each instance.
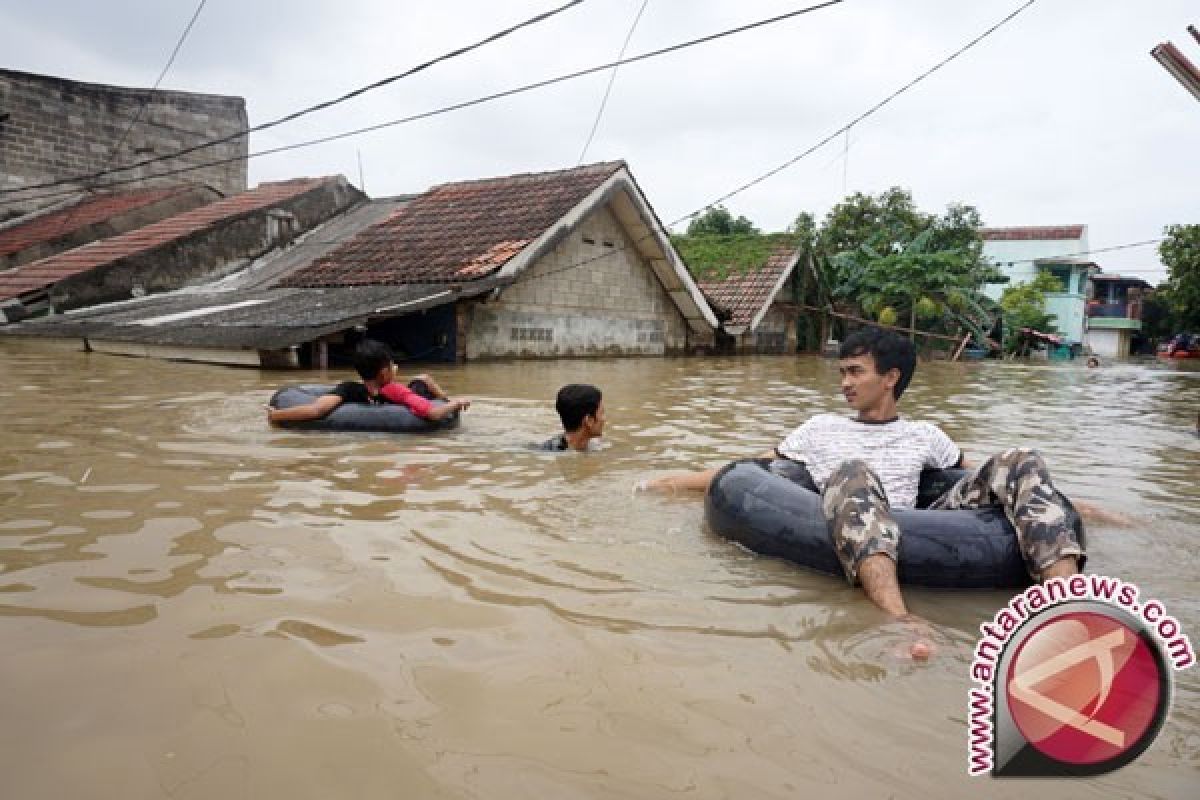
(757, 305)
(85, 218)
(1114, 314)
(191, 247)
(1022, 252)
(567, 263)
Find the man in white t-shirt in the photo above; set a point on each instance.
(870, 463)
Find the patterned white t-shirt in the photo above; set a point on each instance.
(897, 451)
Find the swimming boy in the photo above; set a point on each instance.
(580, 407)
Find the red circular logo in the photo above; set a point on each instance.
(1084, 688)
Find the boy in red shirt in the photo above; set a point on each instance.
(374, 363)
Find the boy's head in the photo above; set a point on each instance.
(580, 406)
(370, 358)
(887, 351)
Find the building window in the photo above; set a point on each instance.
(1063, 274)
(531, 334)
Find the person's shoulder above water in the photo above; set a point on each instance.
(553, 444)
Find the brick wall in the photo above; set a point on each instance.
(612, 306)
(57, 129)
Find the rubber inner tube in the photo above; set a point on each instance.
(383, 418)
(771, 507)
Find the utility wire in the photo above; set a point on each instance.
(158, 82)
(297, 114)
(611, 78)
(480, 100)
(142, 106)
(795, 159)
(873, 109)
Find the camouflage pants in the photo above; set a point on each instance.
(861, 524)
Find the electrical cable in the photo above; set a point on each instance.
(297, 114)
(469, 103)
(611, 78)
(795, 159)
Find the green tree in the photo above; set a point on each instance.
(1157, 320)
(718, 221)
(1025, 307)
(884, 222)
(920, 282)
(1180, 251)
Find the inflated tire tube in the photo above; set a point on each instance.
(776, 516)
(385, 418)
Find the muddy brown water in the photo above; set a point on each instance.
(194, 605)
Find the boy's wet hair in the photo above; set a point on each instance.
(888, 349)
(576, 401)
(371, 356)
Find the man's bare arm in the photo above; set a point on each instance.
(688, 481)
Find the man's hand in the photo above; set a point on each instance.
(1103, 516)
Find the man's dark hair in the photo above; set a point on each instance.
(889, 350)
(576, 401)
(371, 356)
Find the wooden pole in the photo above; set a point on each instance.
(881, 325)
(962, 346)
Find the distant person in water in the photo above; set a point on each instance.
(580, 406)
(1093, 362)
(374, 363)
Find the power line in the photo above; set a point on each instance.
(1045, 259)
(870, 111)
(477, 101)
(145, 101)
(158, 82)
(775, 171)
(611, 78)
(296, 114)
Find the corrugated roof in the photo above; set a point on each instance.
(1033, 233)
(264, 319)
(456, 231)
(48, 271)
(25, 232)
(746, 293)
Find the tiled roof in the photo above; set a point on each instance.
(48, 271)
(456, 231)
(88, 211)
(744, 294)
(1033, 233)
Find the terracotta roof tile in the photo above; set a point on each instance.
(87, 211)
(743, 294)
(456, 231)
(1033, 233)
(48, 271)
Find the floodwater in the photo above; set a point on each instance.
(194, 605)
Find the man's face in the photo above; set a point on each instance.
(595, 422)
(863, 387)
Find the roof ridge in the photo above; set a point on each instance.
(608, 167)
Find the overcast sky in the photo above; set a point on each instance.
(1059, 117)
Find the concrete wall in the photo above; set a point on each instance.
(58, 129)
(612, 306)
(775, 334)
(1109, 343)
(207, 254)
(1022, 251)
